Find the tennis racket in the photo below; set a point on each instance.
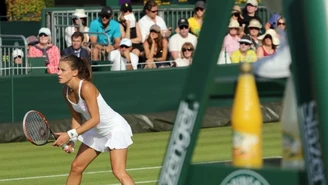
(37, 129)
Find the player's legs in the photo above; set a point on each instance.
(83, 158)
(118, 161)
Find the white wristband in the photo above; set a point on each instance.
(72, 133)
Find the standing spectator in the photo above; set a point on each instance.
(269, 44)
(244, 53)
(187, 51)
(130, 28)
(178, 39)
(250, 12)
(150, 18)
(231, 40)
(111, 28)
(123, 58)
(155, 48)
(196, 21)
(45, 49)
(79, 14)
(76, 47)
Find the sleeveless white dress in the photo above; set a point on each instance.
(112, 132)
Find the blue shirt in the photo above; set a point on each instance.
(113, 31)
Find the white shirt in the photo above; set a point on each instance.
(69, 32)
(119, 63)
(107, 114)
(176, 42)
(145, 23)
(182, 62)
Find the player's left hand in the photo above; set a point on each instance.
(62, 138)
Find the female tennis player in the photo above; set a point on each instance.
(104, 129)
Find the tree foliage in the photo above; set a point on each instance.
(26, 10)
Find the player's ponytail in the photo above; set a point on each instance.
(86, 71)
(81, 64)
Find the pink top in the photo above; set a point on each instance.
(231, 44)
(53, 55)
(265, 53)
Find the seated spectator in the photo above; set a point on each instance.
(187, 51)
(155, 48)
(123, 58)
(244, 53)
(18, 55)
(45, 49)
(269, 44)
(101, 46)
(249, 13)
(236, 15)
(178, 39)
(79, 14)
(130, 28)
(272, 22)
(230, 42)
(31, 41)
(76, 47)
(281, 26)
(150, 18)
(254, 28)
(196, 22)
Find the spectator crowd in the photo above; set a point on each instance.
(130, 44)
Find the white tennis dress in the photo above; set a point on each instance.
(113, 131)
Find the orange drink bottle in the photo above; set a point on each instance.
(246, 121)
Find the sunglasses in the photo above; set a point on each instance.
(43, 34)
(281, 23)
(183, 27)
(236, 14)
(199, 9)
(245, 43)
(187, 49)
(105, 16)
(18, 57)
(253, 28)
(124, 46)
(153, 11)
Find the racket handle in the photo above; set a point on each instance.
(65, 146)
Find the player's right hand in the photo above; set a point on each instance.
(69, 148)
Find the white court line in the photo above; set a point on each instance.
(107, 171)
(64, 175)
(140, 182)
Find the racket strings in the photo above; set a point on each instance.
(37, 128)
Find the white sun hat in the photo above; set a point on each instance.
(273, 34)
(80, 13)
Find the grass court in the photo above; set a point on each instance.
(25, 164)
